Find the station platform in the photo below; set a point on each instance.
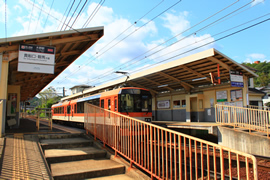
(211, 127)
(21, 154)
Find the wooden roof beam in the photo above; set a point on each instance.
(138, 85)
(195, 72)
(156, 83)
(215, 60)
(184, 84)
(53, 42)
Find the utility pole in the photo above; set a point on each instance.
(64, 92)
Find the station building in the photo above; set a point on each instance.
(30, 63)
(187, 89)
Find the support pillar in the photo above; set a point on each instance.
(3, 93)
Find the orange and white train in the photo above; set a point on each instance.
(130, 101)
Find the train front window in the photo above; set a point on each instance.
(135, 100)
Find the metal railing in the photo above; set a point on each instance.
(248, 118)
(164, 153)
(44, 114)
(259, 107)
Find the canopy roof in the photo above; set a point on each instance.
(69, 46)
(185, 74)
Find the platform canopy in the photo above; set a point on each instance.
(188, 74)
(69, 45)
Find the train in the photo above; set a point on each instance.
(131, 101)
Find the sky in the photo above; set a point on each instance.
(142, 34)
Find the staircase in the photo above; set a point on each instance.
(76, 157)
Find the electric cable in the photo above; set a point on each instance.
(172, 57)
(64, 14)
(131, 33)
(31, 17)
(73, 14)
(173, 37)
(93, 13)
(128, 62)
(78, 14)
(48, 15)
(39, 15)
(67, 15)
(124, 31)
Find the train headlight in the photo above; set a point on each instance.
(147, 119)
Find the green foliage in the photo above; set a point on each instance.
(48, 97)
(263, 70)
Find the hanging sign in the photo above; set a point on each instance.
(34, 58)
(236, 79)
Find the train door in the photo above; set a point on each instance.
(115, 103)
(68, 112)
(109, 104)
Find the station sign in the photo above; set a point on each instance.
(236, 79)
(35, 58)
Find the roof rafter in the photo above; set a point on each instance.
(154, 82)
(184, 84)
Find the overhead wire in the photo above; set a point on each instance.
(130, 34)
(39, 15)
(175, 56)
(120, 34)
(111, 72)
(129, 62)
(64, 23)
(73, 14)
(203, 28)
(93, 13)
(213, 35)
(31, 16)
(48, 15)
(78, 14)
(64, 14)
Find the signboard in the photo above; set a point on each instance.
(34, 58)
(236, 95)
(221, 96)
(163, 104)
(236, 79)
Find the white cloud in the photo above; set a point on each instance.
(176, 23)
(257, 2)
(18, 8)
(255, 57)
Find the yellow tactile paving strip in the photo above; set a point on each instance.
(20, 162)
(21, 158)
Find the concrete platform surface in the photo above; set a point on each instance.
(96, 167)
(72, 152)
(63, 141)
(114, 177)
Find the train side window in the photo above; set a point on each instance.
(115, 104)
(109, 104)
(75, 108)
(68, 109)
(102, 103)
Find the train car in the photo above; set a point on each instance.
(130, 101)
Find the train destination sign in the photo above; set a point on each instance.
(236, 79)
(34, 58)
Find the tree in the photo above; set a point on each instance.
(263, 70)
(49, 97)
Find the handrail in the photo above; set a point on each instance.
(248, 118)
(258, 107)
(164, 153)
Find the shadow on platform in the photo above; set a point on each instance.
(29, 126)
